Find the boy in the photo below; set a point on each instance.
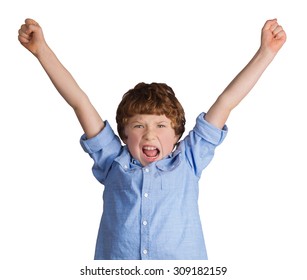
(151, 183)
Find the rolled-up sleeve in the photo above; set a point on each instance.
(209, 132)
(201, 142)
(103, 149)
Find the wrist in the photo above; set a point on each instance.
(265, 55)
(42, 52)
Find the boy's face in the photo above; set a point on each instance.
(150, 137)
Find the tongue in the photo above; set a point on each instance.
(150, 153)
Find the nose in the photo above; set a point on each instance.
(149, 134)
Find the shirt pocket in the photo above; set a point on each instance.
(179, 182)
(170, 181)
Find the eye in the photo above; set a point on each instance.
(138, 126)
(161, 125)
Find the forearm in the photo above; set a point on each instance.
(66, 85)
(60, 77)
(272, 39)
(31, 37)
(242, 84)
(238, 88)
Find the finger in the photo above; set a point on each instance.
(30, 26)
(30, 21)
(281, 35)
(276, 30)
(23, 40)
(269, 24)
(23, 37)
(24, 31)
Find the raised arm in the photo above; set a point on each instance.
(32, 38)
(272, 39)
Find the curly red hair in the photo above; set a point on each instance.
(154, 98)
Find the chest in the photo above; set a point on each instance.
(175, 179)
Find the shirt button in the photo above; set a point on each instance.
(146, 194)
(146, 170)
(144, 223)
(145, 252)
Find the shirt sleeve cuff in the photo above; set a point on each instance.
(208, 131)
(98, 142)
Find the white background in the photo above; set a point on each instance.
(252, 199)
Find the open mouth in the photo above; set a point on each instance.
(151, 152)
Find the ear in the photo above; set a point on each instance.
(124, 139)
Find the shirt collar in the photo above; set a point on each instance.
(170, 162)
(166, 164)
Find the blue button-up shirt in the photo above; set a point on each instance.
(152, 212)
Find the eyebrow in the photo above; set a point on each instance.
(141, 122)
(132, 122)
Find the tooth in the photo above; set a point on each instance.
(150, 148)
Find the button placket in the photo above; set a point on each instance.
(145, 212)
